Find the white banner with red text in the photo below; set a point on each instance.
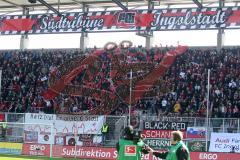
(225, 142)
(65, 128)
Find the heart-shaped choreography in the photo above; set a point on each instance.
(105, 76)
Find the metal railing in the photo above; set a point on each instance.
(117, 124)
(226, 125)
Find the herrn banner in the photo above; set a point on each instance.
(133, 20)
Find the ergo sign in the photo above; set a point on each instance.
(208, 156)
(36, 149)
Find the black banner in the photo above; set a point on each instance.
(159, 125)
(159, 144)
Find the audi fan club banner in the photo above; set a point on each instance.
(225, 142)
(161, 19)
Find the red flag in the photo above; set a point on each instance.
(49, 94)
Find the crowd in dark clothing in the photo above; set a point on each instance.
(187, 81)
(26, 75)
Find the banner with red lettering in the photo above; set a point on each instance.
(132, 20)
(66, 129)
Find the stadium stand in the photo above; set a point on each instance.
(26, 75)
(75, 103)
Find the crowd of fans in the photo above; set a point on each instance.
(187, 79)
(26, 74)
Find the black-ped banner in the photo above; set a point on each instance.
(165, 125)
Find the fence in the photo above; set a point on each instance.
(48, 139)
(23, 133)
(195, 143)
(228, 125)
(60, 134)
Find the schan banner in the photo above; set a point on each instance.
(160, 125)
(158, 134)
(161, 19)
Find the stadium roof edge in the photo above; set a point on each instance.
(17, 6)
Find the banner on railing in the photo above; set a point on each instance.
(225, 142)
(160, 19)
(157, 143)
(159, 134)
(165, 125)
(67, 129)
(196, 132)
(196, 146)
